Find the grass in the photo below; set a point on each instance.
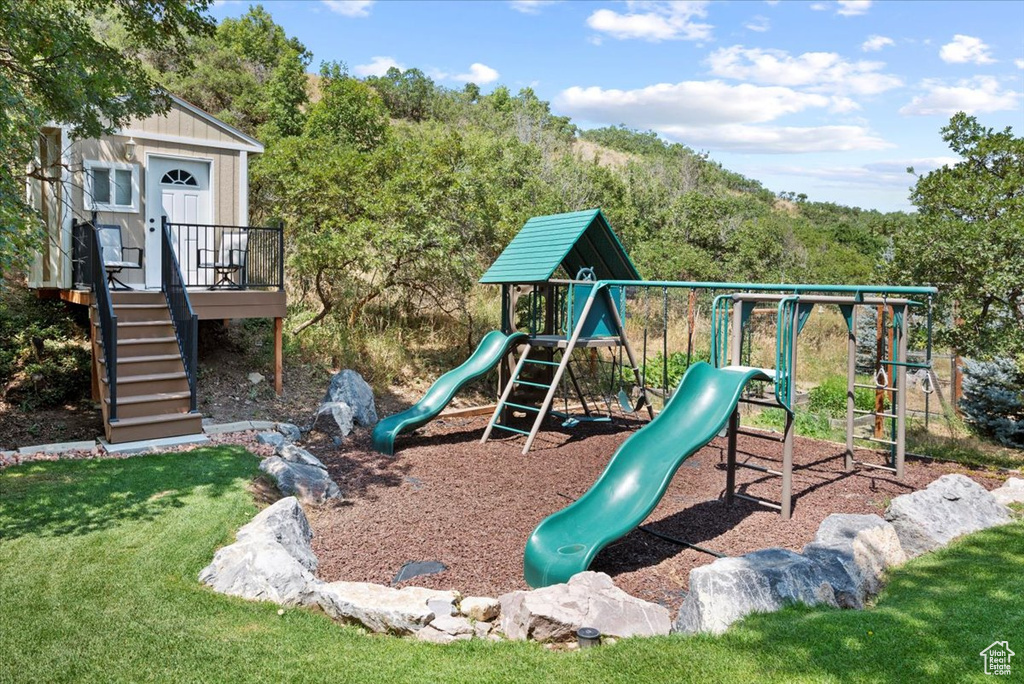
(98, 565)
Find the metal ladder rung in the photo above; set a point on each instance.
(875, 387)
(760, 469)
(876, 466)
(760, 402)
(872, 413)
(510, 429)
(542, 363)
(531, 384)
(763, 502)
(879, 441)
(522, 407)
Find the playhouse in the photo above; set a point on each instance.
(567, 290)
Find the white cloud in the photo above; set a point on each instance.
(965, 49)
(884, 174)
(530, 6)
(654, 21)
(1019, 63)
(978, 95)
(853, 8)
(690, 103)
(758, 23)
(378, 66)
(818, 6)
(778, 139)
(876, 43)
(818, 71)
(350, 8)
(772, 2)
(478, 73)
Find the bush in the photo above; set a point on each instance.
(44, 350)
(993, 399)
(829, 398)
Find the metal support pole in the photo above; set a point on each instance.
(901, 394)
(787, 446)
(624, 341)
(851, 380)
(730, 463)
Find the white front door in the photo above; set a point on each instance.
(180, 190)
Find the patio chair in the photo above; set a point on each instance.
(228, 261)
(114, 255)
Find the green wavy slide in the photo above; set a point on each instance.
(637, 476)
(492, 349)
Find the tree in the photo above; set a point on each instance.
(968, 239)
(54, 67)
(349, 112)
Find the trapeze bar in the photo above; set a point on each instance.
(908, 364)
(754, 499)
(881, 388)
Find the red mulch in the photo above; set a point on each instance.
(446, 497)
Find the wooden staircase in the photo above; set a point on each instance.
(153, 396)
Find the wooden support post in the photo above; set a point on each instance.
(279, 355)
(226, 323)
(851, 379)
(94, 349)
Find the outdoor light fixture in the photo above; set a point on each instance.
(129, 149)
(587, 637)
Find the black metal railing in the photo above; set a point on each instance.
(186, 322)
(254, 255)
(104, 306)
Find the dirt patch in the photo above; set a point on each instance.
(471, 506)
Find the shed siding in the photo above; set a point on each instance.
(181, 122)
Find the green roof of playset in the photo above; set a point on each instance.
(575, 240)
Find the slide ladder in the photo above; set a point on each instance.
(560, 368)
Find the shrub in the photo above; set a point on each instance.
(829, 398)
(993, 399)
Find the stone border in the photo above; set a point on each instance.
(844, 567)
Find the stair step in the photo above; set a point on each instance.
(154, 427)
(130, 366)
(152, 404)
(145, 340)
(152, 377)
(151, 383)
(147, 346)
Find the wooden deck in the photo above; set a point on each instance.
(210, 304)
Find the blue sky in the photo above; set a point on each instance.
(829, 98)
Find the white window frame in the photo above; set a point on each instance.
(132, 208)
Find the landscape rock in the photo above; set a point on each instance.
(349, 387)
(274, 439)
(763, 581)
(589, 599)
(454, 625)
(308, 483)
(291, 432)
(380, 608)
(482, 629)
(283, 522)
(436, 636)
(1012, 491)
(949, 507)
(342, 414)
(296, 454)
(256, 378)
(260, 570)
(855, 551)
(481, 608)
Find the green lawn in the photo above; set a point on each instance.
(98, 564)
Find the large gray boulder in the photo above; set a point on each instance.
(949, 507)
(262, 571)
(760, 582)
(855, 551)
(308, 483)
(380, 608)
(342, 414)
(285, 523)
(1011, 492)
(296, 454)
(589, 599)
(350, 388)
